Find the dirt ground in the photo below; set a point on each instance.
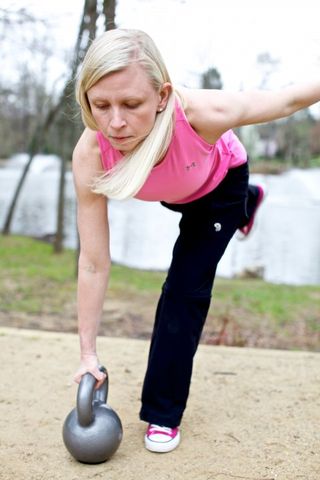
(252, 414)
(130, 315)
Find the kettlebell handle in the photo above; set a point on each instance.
(87, 395)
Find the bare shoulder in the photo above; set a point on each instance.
(87, 148)
(92, 210)
(86, 162)
(208, 111)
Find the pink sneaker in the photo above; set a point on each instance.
(161, 439)
(247, 228)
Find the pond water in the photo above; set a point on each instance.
(284, 248)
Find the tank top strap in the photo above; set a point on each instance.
(179, 112)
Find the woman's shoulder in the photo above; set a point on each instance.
(86, 162)
(87, 144)
(201, 109)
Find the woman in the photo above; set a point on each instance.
(148, 140)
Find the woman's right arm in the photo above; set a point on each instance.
(94, 259)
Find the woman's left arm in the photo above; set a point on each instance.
(263, 106)
(211, 112)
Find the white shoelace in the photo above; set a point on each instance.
(159, 428)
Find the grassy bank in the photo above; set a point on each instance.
(38, 290)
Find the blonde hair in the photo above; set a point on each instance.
(114, 51)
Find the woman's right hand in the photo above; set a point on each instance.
(90, 364)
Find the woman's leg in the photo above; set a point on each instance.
(255, 197)
(206, 227)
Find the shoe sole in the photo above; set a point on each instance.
(164, 447)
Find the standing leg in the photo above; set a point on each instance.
(206, 228)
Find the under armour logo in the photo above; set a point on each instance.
(192, 165)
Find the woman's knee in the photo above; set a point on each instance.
(187, 291)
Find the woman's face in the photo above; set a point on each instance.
(124, 105)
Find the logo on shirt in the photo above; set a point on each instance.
(192, 165)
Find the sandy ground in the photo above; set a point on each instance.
(252, 414)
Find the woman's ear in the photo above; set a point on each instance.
(164, 95)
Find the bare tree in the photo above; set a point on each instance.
(87, 32)
(10, 17)
(109, 12)
(211, 78)
(268, 65)
(24, 55)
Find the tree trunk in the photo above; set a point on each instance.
(109, 11)
(33, 149)
(59, 237)
(9, 217)
(36, 142)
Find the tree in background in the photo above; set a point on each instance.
(59, 116)
(294, 138)
(211, 78)
(26, 47)
(267, 65)
(290, 140)
(315, 139)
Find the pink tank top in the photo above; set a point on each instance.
(191, 167)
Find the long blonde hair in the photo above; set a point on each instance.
(114, 51)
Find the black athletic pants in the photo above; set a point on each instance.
(206, 227)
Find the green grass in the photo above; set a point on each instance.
(279, 308)
(31, 258)
(276, 301)
(136, 280)
(35, 281)
(315, 162)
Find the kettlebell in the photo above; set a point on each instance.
(92, 432)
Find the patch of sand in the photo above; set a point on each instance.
(252, 414)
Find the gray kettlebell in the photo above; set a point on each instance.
(92, 432)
